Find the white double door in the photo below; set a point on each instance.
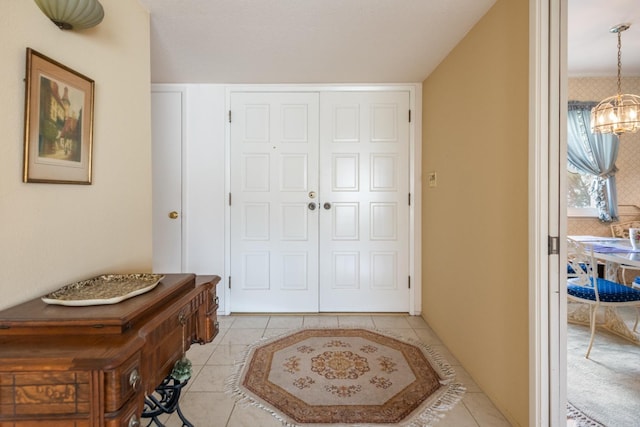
(319, 202)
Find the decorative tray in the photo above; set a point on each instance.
(105, 289)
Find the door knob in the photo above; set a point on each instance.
(327, 205)
(311, 206)
(173, 214)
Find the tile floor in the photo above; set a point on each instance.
(205, 403)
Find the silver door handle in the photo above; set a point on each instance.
(327, 205)
(311, 206)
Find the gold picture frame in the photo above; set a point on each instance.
(58, 125)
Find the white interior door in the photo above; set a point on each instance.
(274, 215)
(364, 222)
(166, 119)
(319, 202)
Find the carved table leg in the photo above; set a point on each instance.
(611, 321)
(614, 323)
(166, 402)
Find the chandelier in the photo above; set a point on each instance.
(72, 14)
(619, 113)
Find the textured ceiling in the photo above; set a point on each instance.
(591, 48)
(305, 41)
(354, 41)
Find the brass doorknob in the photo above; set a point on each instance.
(173, 214)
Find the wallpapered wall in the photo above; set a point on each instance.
(628, 176)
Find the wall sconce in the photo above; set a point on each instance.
(72, 14)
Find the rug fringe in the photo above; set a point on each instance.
(437, 410)
(431, 411)
(582, 419)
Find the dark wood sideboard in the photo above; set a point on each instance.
(92, 366)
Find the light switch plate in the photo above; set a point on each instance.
(432, 179)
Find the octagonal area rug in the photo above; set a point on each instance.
(316, 377)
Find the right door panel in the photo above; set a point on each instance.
(364, 218)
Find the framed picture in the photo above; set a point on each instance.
(58, 126)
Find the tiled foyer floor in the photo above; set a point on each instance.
(206, 404)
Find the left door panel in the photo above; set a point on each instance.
(274, 209)
(166, 116)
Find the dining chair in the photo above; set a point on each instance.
(584, 285)
(636, 285)
(621, 230)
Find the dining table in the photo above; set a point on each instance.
(612, 252)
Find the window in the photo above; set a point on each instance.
(580, 197)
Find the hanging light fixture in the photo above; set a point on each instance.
(72, 14)
(620, 113)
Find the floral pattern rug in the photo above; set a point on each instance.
(346, 376)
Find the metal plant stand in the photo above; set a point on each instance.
(167, 401)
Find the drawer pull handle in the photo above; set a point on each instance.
(182, 317)
(133, 421)
(134, 380)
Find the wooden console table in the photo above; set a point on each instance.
(92, 366)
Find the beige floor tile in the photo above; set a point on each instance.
(219, 336)
(225, 322)
(417, 322)
(206, 405)
(459, 416)
(252, 416)
(227, 354)
(408, 334)
(212, 378)
(242, 336)
(285, 322)
(203, 409)
(313, 321)
(195, 370)
(391, 322)
(427, 336)
(199, 354)
(356, 321)
(250, 322)
(271, 333)
(483, 411)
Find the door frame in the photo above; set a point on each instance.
(547, 148)
(415, 171)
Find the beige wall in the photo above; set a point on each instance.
(53, 234)
(475, 136)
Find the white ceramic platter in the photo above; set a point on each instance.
(102, 290)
